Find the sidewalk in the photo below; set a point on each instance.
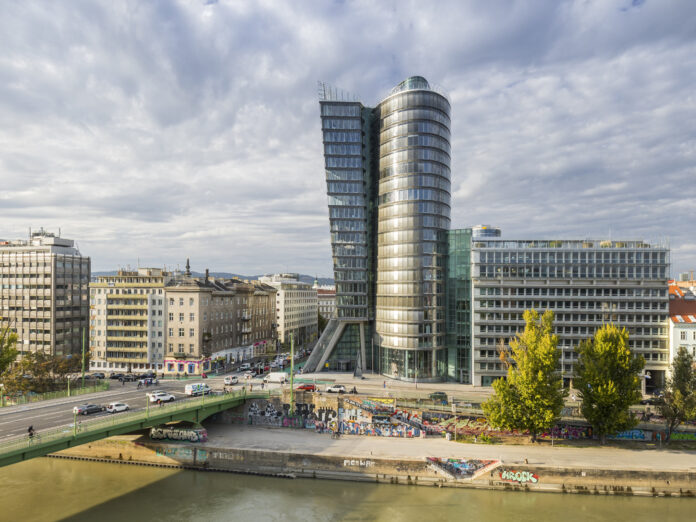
(307, 441)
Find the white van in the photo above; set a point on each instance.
(244, 367)
(276, 377)
(197, 388)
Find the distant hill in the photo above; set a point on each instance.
(303, 277)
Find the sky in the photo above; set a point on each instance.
(151, 132)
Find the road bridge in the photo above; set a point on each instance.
(57, 439)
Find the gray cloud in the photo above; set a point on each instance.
(163, 130)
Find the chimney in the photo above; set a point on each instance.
(207, 273)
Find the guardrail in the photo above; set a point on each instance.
(61, 433)
(37, 397)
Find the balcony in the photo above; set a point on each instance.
(246, 315)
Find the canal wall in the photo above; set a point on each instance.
(427, 471)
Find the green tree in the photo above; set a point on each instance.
(321, 322)
(531, 398)
(607, 380)
(680, 395)
(8, 349)
(30, 374)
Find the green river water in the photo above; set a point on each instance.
(54, 489)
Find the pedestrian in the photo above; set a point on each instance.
(384, 384)
(251, 387)
(159, 402)
(262, 383)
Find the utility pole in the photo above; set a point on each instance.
(83, 357)
(292, 374)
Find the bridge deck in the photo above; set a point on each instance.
(60, 438)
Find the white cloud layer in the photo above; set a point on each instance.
(164, 130)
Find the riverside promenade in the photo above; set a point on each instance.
(543, 454)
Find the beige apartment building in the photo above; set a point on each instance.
(200, 318)
(128, 320)
(296, 308)
(44, 285)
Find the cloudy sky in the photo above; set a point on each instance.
(155, 131)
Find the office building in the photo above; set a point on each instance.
(295, 307)
(128, 316)
(44, 289)
(326, 300)
(388, 184)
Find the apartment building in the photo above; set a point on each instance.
(128, 315)
(296, 308)
(44, 289)
(326, 300)
(682, 320)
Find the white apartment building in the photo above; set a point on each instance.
(128, 320)
(682, 320)
(44, 284)
(296, 308)
(326, 300)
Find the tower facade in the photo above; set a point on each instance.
(388, 184)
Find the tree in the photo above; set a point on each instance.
(531, 398)
(8, 349)
(607, 380)
(321, 322)
(679, 403)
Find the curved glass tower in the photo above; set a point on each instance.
(388, 184)
(412, 225)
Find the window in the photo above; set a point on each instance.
(190, 348)
(171, 332)
(191, 301)
(181, 332)
(181, 301)
(683, 336)
(171, 316)
(192, 332)
(181, 316)
(171, 301)
(171, 347)
(192, 316)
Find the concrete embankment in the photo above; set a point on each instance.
(426, 471)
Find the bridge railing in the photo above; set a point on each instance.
(42, 437)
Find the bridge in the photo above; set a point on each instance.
(57, 439)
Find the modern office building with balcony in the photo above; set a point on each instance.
(388, 184)
(44, 289)
(128, 316)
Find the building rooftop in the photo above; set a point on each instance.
(682, 305)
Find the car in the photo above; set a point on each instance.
(231, 379)
(244, 367)
(115, 407)
(652, 401)
(116, 376)
(307, 387)
(336, 388)
(148, 380)
(145, 375)
(438, 397)
(86, 409)
(98, 375)
(248, 375)
(160, 396)
(129, 377)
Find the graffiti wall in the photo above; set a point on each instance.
(176, 433)
(519, 477)
(461, 468)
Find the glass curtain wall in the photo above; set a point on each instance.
(459, 306)
(413, 220)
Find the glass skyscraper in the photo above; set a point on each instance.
(388, 183)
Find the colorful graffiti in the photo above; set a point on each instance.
(358, 463)
(173, 433)
(632, 435)
(569, 432)
(460, 468)
(684, 436)
(378, 430)
(520, 477)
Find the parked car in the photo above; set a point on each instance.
(145, 375)
(160, 396)
(276, 377)
(336, 388)
(129, 377)
(196, 388)
(86, 409)
(244, 367)
(115, 407)
(231, 379)
(116, 376)
(438, 397)
(248, 375)
(652, 401)
(307, 387)
(148, 380)
(98, 375)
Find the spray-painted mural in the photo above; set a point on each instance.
(175, 433)
(461, 468)
(520, 477)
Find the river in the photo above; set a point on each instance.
(55, 489)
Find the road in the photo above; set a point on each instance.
(15, 420)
